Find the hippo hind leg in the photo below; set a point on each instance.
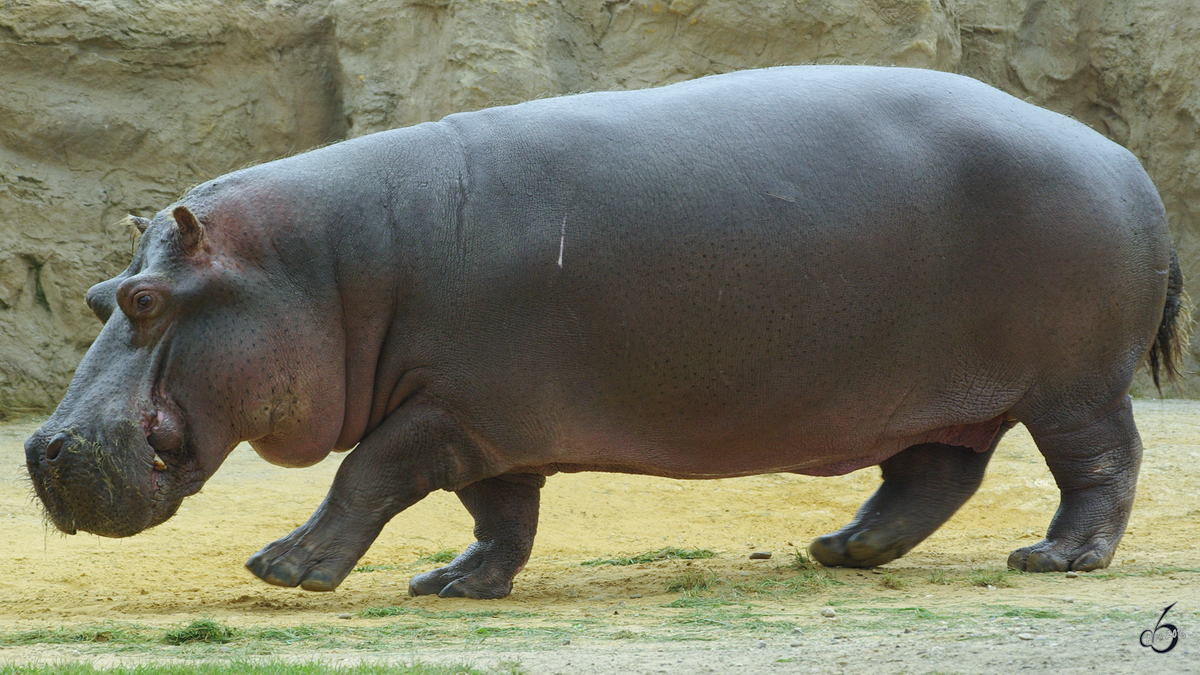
(922, 487)
(505, 509)
(1096, 467)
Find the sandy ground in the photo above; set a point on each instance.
(564, 617)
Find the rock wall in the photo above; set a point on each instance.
(110, 107)
(410, 62)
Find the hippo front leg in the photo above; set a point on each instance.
(505, 509)
(395, 466)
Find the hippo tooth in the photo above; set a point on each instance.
(159, 465)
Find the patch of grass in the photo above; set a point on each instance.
(692, 601)
(805, 583)
(114, 633)
(938, 577)
(916, 612)
(744, 621)
(985, 578)
(440, 558)
(908, 612)
(697, 581)
(871, 617)
(484, 632)
(668, 553)
(206, 634)
(692, 580)
(801, 562)
(1148, 572)
(246, 668)
(290, 634)
(1031, 613)
(893, 582)
(1115, 614)
(201, 630)
(384, 612)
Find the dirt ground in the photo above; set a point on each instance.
(921, 613)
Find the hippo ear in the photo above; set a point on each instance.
(190, 230)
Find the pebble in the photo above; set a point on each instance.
(991, 587)
(1025, 636)
(828, 612)
(760, 555)
(762, 644)
(908, 630)
(635, 596)
(797, 631)
(876, 570)
(566, 641)
(794, 644)
(1072, 575)
(345, 616)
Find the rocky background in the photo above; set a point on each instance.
(110, 107)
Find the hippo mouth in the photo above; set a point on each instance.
(117, 485)
(174, 468)
(173, 476)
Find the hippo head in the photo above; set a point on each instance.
(207, 341)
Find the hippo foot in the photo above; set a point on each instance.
(856, 549)
(482, 572)
(1048, 556)
(296, 560)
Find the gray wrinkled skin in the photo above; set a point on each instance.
(809, 269)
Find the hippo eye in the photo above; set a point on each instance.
(144, 301)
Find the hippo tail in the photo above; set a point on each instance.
(1166, 354)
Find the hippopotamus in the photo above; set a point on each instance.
(797, 269)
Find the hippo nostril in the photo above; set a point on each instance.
(55, 447)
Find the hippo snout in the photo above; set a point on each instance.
(47, 459)
(104, 483)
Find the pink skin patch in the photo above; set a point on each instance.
(162, 433)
